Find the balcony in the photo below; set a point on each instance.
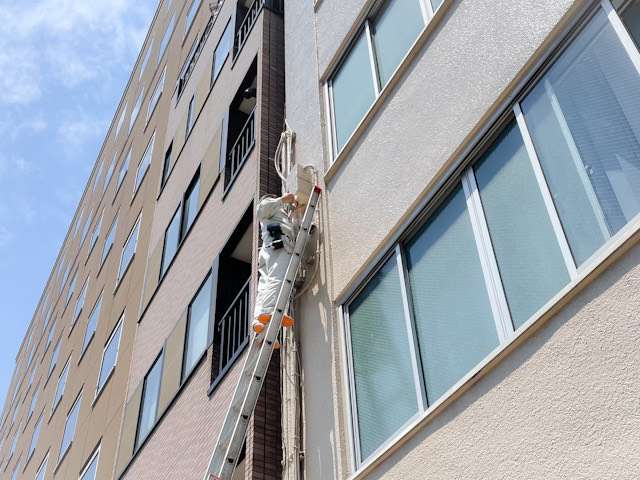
(249, 12)
(240, 150)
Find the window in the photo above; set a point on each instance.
(556, 183)
(80, 301)
(191, 15)
(96, 179)
(121, 119)
(42, 470)
(62, 383)
(190, 205)
(136, 108)
(123, 169)
(85, 229)
(149, 402)
(190, 114)
(373, 58)
(155, 97)
(50, 337)
(108, 242)
(143, 166)
(34, 438)
(145, 61)
(171, 241)
(166, 166)
(166, 37)
(129, 250)
(70, 427)
(222, 50)
(197, 327)
(54, 357)
(34, 402)
(16, 471)
(92, 324)
(90, 471)
(110, 356)
(96, 233)
(382, 362)
(14, 444)
(72, 287)
(109, 174)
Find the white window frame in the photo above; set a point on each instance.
(145, 61)
(192, 13)
(506, 332)
(77, 403)
(107, 250)
(95, 235)
(83, 296)
(56, 354)
(121, 119)
(64, 372)
(95, 454)
(190, 117)
(119, 326)
(42, 468)
(85, 346)
(134, 230)
(124, 169)
(156, 95)
(365, 29)
(135, 112)
(35, 438)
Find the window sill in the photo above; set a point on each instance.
(340, 157)
(618, 245)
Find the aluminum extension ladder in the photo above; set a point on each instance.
(234, 429)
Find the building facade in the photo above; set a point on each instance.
(475, 311)
(130, 359)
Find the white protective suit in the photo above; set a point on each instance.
(272, 263)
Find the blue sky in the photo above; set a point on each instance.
(64, 66)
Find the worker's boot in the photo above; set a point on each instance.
(287, 321)
(264, 318)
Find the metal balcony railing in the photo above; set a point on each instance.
(240, 150)
(231, 334)
(247, 23)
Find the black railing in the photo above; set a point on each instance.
(231, 334)
(247, 23)
(192, 59)
(240, 150)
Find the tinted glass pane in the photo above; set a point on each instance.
(198, 327)
(191, 14)
(92, 324)
(190, 207)
(353, 91)
(123, 169)
(454, 322)
(62, 383)
(91, 470)
(70, 427)
(435, 4)
(584, 119)
(108, 242)
(384, 386)
(529, 258)
(222, 50)
(35, 437)
(110, 357)
(42, 470)
(631, 18)
(149, 407)
(54, 357)
(171, 240)
(129, 250)
(394, 31)
(166, 37)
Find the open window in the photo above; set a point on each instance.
(233, 299)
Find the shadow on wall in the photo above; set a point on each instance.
(560, 402)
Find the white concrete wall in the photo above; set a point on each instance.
(562, 405)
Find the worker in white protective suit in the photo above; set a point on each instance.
(278, 239)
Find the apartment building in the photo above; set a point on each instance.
(129, 361)
(475, 314)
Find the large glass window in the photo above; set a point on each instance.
(394, 31)
(584, 119)
(62, 383)
(145, 60)
(149, 402)
(54, 357)
(108, 242)
(72, 287)
(129, 250)
(166, 165)
(92, 324)
(91, 470)
(222, 50)
(121, 119)
(191, 15)
(145, 161)
(353, 91)
(136, 109)
(171, 241)
(197, 327)
(80, 301)
(70, 427)
(34, 401)
(527, 252)
(35, 437)
(155, 97)
(110, 356)
(96, 234)
(444, 270)
(166, 37)
(385, 388)
(123, 169)
(190, 205)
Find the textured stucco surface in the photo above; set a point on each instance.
(477, 50)
(564, 405)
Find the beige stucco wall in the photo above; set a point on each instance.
(563, 404)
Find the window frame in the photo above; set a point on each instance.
(185, 204)
(508, 334)
(154, 100)
(139, 441)
(95, 454)
(106, 250)
(76, 403)
(134, 230)
(207, 282)
(37, 429)
(40, 473)
(190, 116)
(122, 174)
(86, 342)
(177, 215)
(193, 13)
(145, 164)
(119, 326)
(80, 307)
(64, 372)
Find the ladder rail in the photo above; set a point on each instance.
(232, 434)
